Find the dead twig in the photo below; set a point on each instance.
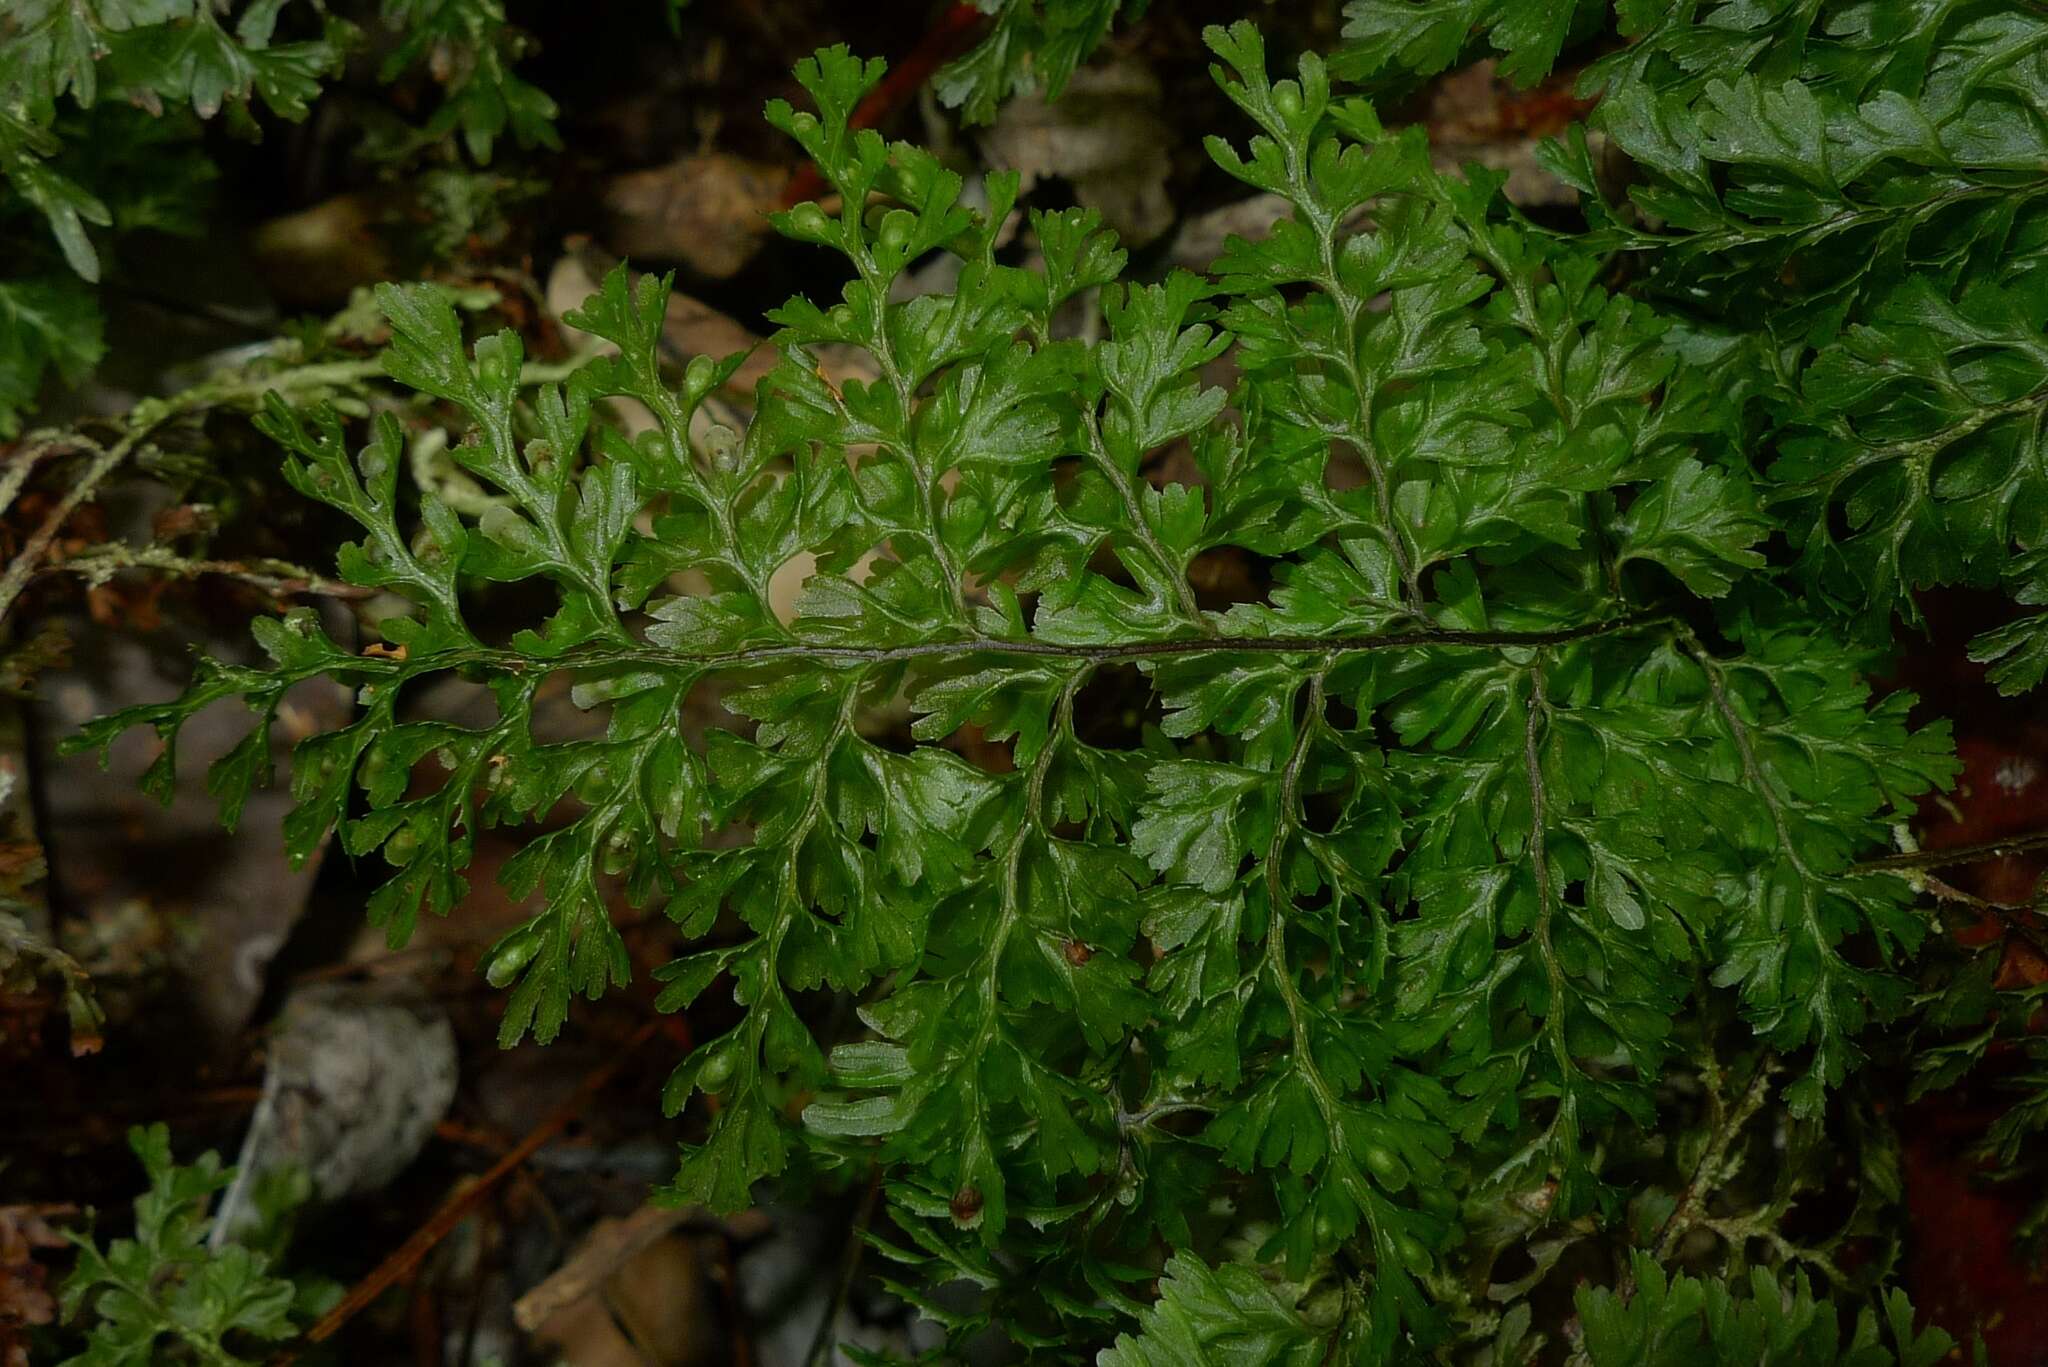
(2015, 919)
(408, 1255)
(608, 1248)
(278, 578)
(1954, 854)
(1692, 1201)
(30, 558)
(426, 1326)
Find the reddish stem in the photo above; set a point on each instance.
(946, 40)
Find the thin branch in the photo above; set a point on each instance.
(1916, 867)
(23, 459)
(1954, 854)
(25, 563)
(279, 578)
(1945, 891)
(2016, 918)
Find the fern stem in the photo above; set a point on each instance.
(1350, 306)
(1141, 526)
(1286, 822)
(1328, 647)
(1533, 730)
(1759, 782)
(1752, 769)
(1030, 819)
(1119, 652)
(1276, 935)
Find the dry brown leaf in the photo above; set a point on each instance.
(25, 1297)
(1475, 116)
(1107, 135)
(707, 213)
(317, 255)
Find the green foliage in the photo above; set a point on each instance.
(156, 53)
(1866, 184)
(1032, 45)
(1965, 1024)
(1231, 1314)
(1449, 851)
(1423, 37)
(1227, 1312)
(100, 106)
(1686, 1321)
(46, 323)
(483, 96)
(165, 1295)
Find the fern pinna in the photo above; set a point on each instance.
(1523, 773)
